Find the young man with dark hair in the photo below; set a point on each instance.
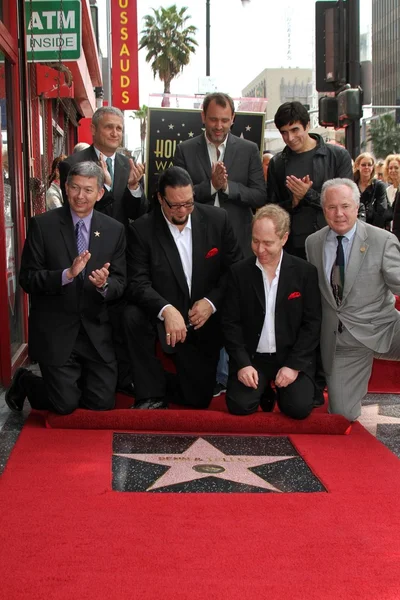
(297, 174)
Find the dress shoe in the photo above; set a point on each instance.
(150, 403)
(15, 395)
(219, 389)
(319, 399)
(128, 389)
(268, 399)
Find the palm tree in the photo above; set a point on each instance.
(169, 42)
(141, 114)
(385, 136)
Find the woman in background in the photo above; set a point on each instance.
(392, 175)
(372, 191)
(54, 197)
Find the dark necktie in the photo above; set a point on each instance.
(80, 240)
(218, 153)
(110, 170)
(337, 274)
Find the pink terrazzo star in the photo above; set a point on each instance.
(201, 460)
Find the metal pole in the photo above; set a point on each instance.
(354, 70)
(207, 38)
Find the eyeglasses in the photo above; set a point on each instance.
(178, 206)
(366, 165)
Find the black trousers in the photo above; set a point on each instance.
(195, 362)
(295, 400)
(84, 381)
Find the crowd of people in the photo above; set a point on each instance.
(266, 278)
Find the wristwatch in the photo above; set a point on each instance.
(104, 287)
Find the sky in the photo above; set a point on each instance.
(244, 41)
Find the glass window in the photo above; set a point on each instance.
(8, 196)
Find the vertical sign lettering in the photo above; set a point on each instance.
(124, 41)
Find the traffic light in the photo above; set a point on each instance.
(330, 54)
(349, 106)
(328, 111)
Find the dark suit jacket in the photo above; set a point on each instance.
(118, 203)
(245, 178)
(155, 273)
(58, 311)
(297, 313)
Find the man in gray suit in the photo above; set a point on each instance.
(358, 272)
(226, 170)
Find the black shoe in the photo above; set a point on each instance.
(150, 404)
(128, 389)
(268, 399)
(15, 395)
(219, 389)
(319, 399)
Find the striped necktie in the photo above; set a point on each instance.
(337, 273)
(110, 170)
(80, 241)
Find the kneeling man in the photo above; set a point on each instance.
(178, 261)
(271, 323)
(73, 264)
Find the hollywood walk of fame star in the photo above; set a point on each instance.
(97, 233)
(202, 459)
(370, 418)
(248, 128)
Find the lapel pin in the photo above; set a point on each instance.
(362, 249)
(97, 233)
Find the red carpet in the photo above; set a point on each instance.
(385, 376)
(66, 535)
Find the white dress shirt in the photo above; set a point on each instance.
(183, 242)
(267, 341)
(212, 153)
(331, 249)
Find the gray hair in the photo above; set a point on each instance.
(332, 183)
(79, 147)
(278, 215)
(106, 110)
(87, 169)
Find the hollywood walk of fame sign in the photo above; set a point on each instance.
(179, 463)
(168, 127)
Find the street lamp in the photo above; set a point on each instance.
(244, 3)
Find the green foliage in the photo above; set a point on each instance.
(385, 136)
(169, 42)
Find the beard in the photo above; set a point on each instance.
(180, 221)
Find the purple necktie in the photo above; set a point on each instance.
(80, 241)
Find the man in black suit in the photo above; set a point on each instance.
(73, 264)
(123, 197)
(226, 170)
(271, 322)
(178, 257)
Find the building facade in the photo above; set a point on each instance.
(385, 52)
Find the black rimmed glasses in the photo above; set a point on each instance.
(176, 207)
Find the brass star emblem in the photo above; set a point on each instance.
(97, 233)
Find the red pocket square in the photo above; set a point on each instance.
(294, 295)
(212, 252)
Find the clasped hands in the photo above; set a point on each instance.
(175, 325)
(284, 377)
(136, 172)
(298, 187)
(219, 176)
(98, 277)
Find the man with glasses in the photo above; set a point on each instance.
(178, 257)
(73, 264)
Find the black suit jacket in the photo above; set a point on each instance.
(245, 179)
(297, 313)
(118, 203)
(155, 273)
(58, 311)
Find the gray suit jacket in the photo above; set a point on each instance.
(372, 277)
(245, 179)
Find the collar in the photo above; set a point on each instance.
(223, 144)
(173, 228)
(349, 235)
(98, 152)
(87, 220)
(278, 268)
